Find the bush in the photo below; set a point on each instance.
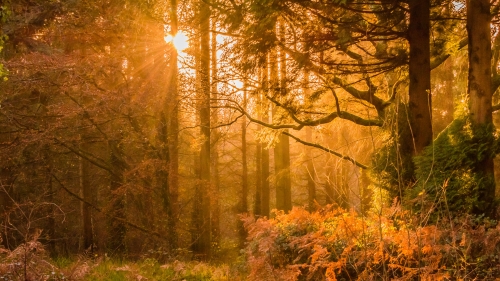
(446, 170)
(28, 262)
(333, 244)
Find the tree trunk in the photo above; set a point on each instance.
(282, 148)
(86, 194)
(243, 205)
(282, 174)
(311, 182)
(51, 221)
(173, 136)
(162, 177)
(480, 98)
(420, 75)
(258, 153)
(117, 228)
(203, 243)
(266, 192)
(214, 156)
(311, 179)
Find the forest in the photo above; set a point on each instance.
(249, 140)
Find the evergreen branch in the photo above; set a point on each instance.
(438, 60)
(367, 96)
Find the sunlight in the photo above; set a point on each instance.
(180, 41)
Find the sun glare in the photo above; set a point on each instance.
(180, 41)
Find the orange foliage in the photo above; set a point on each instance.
(334, 244)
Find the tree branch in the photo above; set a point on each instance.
(133, 225)
(345, 157)
(437, 61)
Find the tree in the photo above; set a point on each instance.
(243, 203)
(203, 240)
(282, 148)
(172, 131)
(420, 107)
(480, 99)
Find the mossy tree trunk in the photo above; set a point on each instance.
(480, 98)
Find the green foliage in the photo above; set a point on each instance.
(107, 271)
(150, 269)
(448, 179)
(392, 166)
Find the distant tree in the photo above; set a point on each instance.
(202, 240)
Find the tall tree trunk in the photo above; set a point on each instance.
(257, 210)
(51, 220)
(420, 75)
(311, 171)
(86, 194)
(203, 243)
(282, 148)
(117, 228)
(480, 98)
(266, 192)
(215, 135)
(162, 177)
(173, 136)
(243, 204)
(311, 179)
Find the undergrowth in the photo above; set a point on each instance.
(335, 244)
(29, 262)
(329, 244)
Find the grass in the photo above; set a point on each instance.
(150, 269)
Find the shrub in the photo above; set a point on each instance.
(28, 262)
(334, 244)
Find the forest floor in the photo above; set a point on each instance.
(150, 269)
(25, 263)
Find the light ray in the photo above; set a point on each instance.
(180, 41)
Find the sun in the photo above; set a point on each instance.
(180, 41)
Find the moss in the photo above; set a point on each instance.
(448, 177)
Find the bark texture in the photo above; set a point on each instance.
(420, 107)
(480, 98)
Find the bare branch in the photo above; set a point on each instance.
(133, 225)
(345, 157)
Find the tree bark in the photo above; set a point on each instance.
(215, 135)
(243, 205)
(204, 241)
(172, 124)
(86, 194)
(266, 192)
(282, 148)
(311, 173)
(420, 75)
(480, 99)
(117, 228)
(311, 180)
(257, 210)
